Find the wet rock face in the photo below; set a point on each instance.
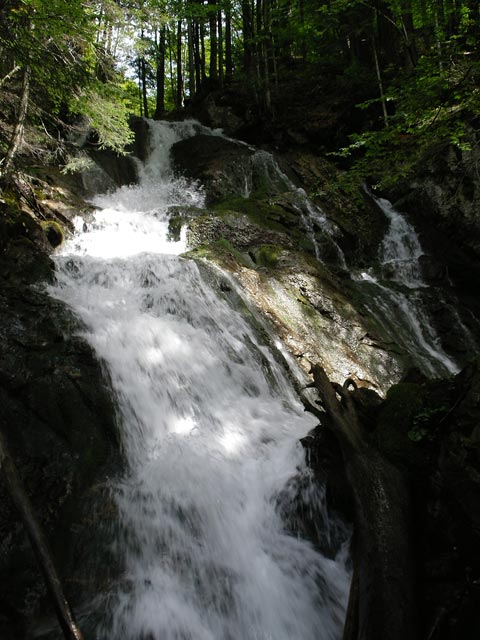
(221, 165)
(307, 305)
(443, 202)
(362, 224)
(56, 416)
(447, 190)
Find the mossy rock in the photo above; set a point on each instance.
(53, 232)
(268, 256)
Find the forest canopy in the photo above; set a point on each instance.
(411, 66)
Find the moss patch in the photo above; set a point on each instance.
(268, 256)
(53, 232)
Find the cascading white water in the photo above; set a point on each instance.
(401, 249)
(402, 308)
(210, 433)
(266, 170)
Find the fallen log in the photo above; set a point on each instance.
(39, 543)
(381, 604)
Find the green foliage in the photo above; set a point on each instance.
(268, 256)
(77, 164)
(107, 115)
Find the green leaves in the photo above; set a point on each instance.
(107, 114)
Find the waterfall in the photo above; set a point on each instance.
(210, 429)
(268, 174)
(396, 295)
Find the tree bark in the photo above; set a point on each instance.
(212, 20)
(247, 19)
(380, 82)
(160, 75)
(179, 98)
(381, 603)
(220, 47)
(9, 75)
(191, 59)
(17, 135)
(22, 503)
(228, 45)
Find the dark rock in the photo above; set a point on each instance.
(57, 417)
(361, 222)
(429, 430)
(121, 169)
(222, 166)
(141, 128)
(53, 232)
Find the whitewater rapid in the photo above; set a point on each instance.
(210, 433)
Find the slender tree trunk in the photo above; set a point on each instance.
(437, 39)
(198, 58)
(179, 95)
(17, 135)
(409, 34)
(171, 41)
(257, 49)
(228, 45)
(303, 44)
(143, 70)
(203, 58)
(265, 52)
(380, 82)
(143, 78)
(212, 20)
(140, 101)
(247, 19)
(160, 74)
(9, 75)
(191, 59)
(220, 47)
(39, 543)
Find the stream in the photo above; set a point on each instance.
(210, 434)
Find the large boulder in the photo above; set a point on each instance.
(223, 166)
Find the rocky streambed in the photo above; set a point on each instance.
(294, 269)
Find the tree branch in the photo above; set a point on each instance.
(39, 544)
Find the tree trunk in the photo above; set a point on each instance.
(143, 72)
(220, 48)
(381, 603)
(191, 59)
(9, 75)
(265, 55)
(179, 98)
(198, 61)
(39, 544)
(17, 135)
(140, 101)
(228, 45)
(160, 75)
(212, 20)
(247, 19)
(380, 83)
(203, 57)
(171, 41)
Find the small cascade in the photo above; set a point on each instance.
(395, 295)
(401, 249)
(210, 429)
(267, 174)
